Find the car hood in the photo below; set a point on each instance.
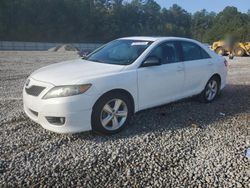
(70, 72)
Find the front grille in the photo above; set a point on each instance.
(34, 90)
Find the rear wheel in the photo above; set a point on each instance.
(220, 51)
(239, 52)
(111, 113)
(211, 90)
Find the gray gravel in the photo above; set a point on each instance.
(184, 144)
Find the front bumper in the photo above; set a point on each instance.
(76, 110)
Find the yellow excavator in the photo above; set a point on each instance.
(240, 48)
(243, 48)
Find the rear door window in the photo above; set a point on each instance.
(192, 51)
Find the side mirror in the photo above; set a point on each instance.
(151, 61)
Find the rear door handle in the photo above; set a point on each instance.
(210, 63)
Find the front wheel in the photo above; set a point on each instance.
(111, 113)
(211, 90)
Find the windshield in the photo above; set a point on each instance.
(119, 52)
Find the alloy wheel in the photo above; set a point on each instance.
(211, 90)
(114, 114)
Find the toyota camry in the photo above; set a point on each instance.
(103, 90)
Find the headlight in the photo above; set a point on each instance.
(65, 91)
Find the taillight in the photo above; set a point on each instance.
(225, 63)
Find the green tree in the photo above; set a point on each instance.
(228, 22)
(104, 20)
(176, 21)
(201, 22)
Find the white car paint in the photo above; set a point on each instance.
(61, 73)
(149, 86)
(152, 79)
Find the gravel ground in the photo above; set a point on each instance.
(184, 144)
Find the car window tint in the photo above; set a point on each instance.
(204, 54)
(167, 53)
(119, 52)
(192, 51)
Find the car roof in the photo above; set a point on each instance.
(153, 39)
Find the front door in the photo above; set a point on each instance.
(164, 83)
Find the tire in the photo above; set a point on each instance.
(211, 90)
(239, 52)
(108, 119)
(231, 56)
(220, 51)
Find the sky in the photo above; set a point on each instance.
(210, 5)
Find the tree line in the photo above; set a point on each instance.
(104, 20)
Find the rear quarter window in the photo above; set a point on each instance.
(204, 54)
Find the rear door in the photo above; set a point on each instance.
(198, 67)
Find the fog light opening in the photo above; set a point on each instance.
(56, 120)
(62, 120)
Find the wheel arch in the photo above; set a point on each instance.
(119, 90)
(218, 77)
(215, 76)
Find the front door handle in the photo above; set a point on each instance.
(210, 63)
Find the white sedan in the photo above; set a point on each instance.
(102, 91)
